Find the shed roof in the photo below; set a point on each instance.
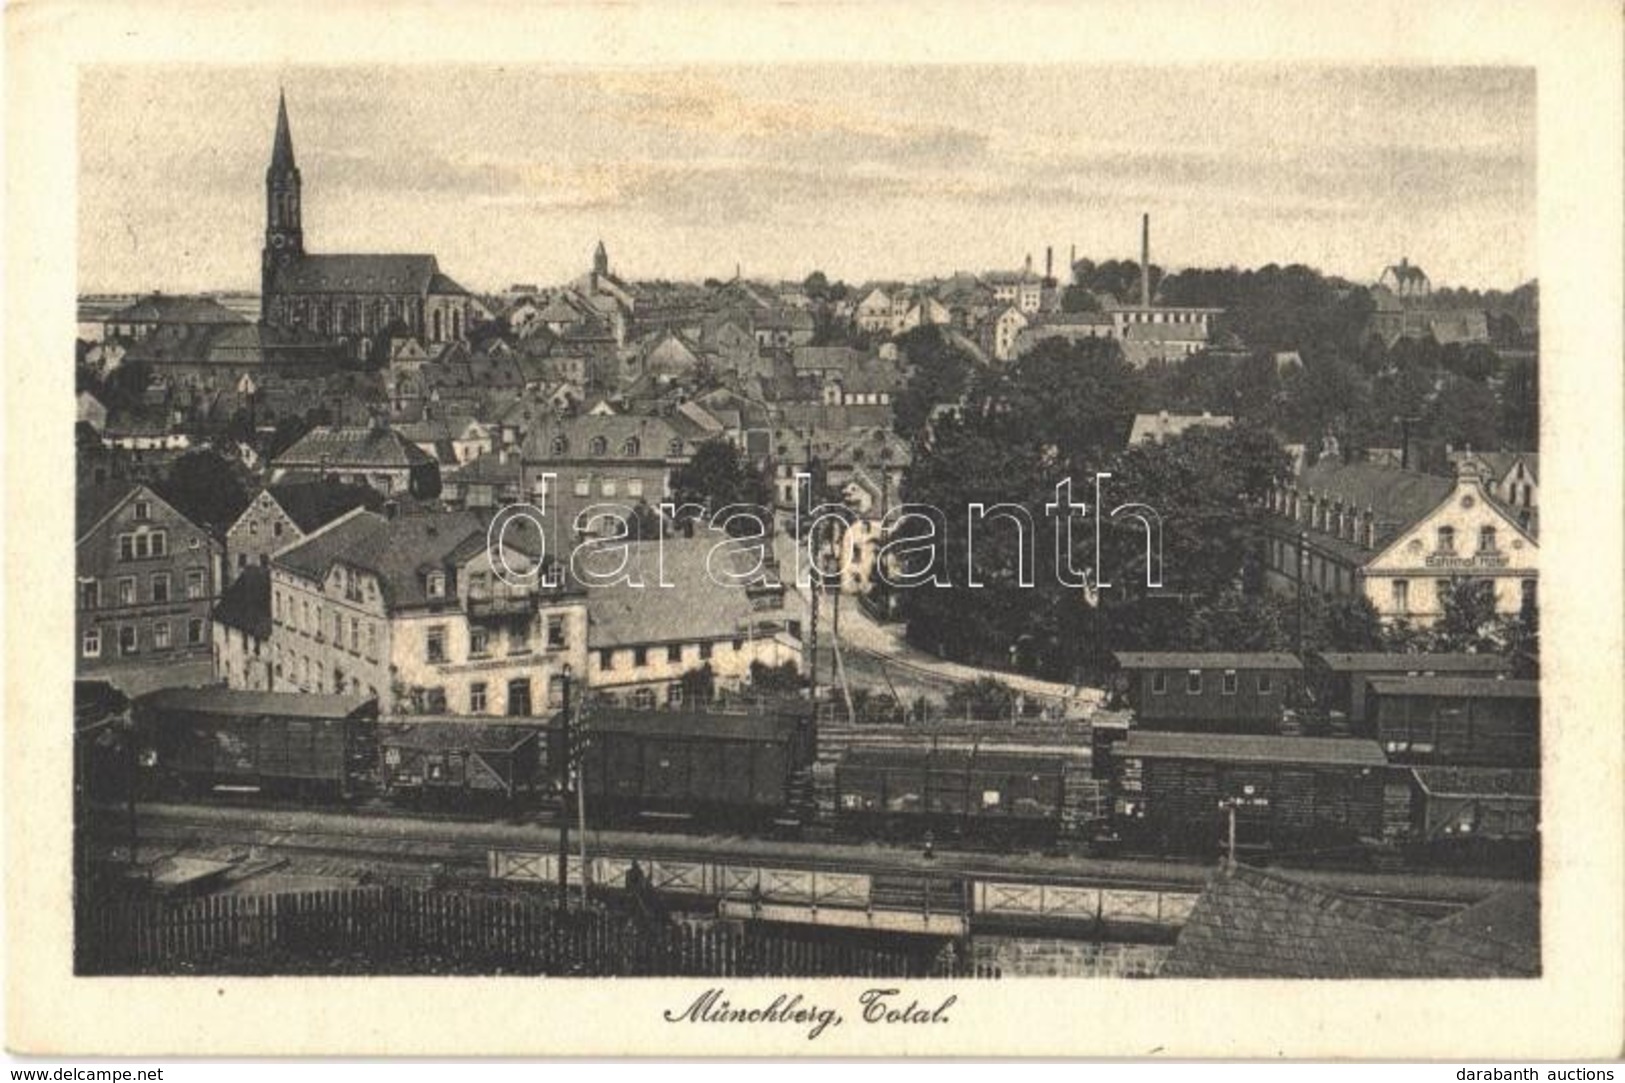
(1389, 662)
(226, 701)
(1456, 687)
(1206, 660)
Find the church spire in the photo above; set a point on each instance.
(282, 149)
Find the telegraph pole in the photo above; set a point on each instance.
(566, 767)
(1303, 537)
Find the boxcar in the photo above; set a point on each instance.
(459, 760)
(1288, 791)
(689, 762)
(215, 737)
(995, 794)
(1337, 681)
(1207, 692)
(1461, 721)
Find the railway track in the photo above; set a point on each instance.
(460, 842)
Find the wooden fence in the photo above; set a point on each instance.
(398, 930)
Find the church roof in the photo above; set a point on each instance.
(409, 274)
(282, 148)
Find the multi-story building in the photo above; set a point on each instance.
(147, 580)
(680, 608)
(284, 514)
(617, 459)
(413, 612)
(1399, 538)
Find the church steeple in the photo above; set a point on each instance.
(600, 260)
(284, 236)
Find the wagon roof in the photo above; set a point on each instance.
(224, 701)
(1249, 748)
(1369, 662)
(1206, 660)
(455, 734)
(980, 759)
(1477, 687)
(740, 727)
(1478, 781)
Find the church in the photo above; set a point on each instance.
(359, 302)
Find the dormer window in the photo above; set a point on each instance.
(437, 585)
(631, 447)
(598, 447)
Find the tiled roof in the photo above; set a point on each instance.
(161, 308)
(654, 435)
(352, 447)
(246, 604)
(1399, 497)
(1477, 687)
(313, 504)
(695, 607)
(1252, 924)
(408, 274)
(92, 503)
(1252, 748)
(398, 551)
(1206, 660)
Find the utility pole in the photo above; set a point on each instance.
(566, 766)
(579, 764)
(1303, 537)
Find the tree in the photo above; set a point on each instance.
(986, 698)
(718, 476)
(816, 286)
(206, 489)
(699, 685)
(1467, 620)
(1074, 399)
(940, 373)
(784, 678)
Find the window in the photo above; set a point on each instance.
(479, 641)
(126, 546)
(479, 584)
(355, 635)
(372, 641)
(242, 561)
(583, 486)
(143, 511)
(1266, 684)
(476, 698)
(519, 696)
(634, 487)
(253, 528)
(1231, 683)
(194, 583)
(160, 543)
(434, 700)
(674, 694)
(276, 529)
(519, 639)
(705, 652)
(606, 660)
(126, 591)
(556, 639)
(90, 594)
(1193, 683)
(194, 632)
(160, 635)
(1447, 539)
(675, 448)
(608, 487)
(640, 657)
(674, 653)
(739, 645)
(437, 584)
(560, 445)
(1486, 539)
(644, 699)
(126, 639)
(598, 447)
(1402, 595)
(338, 629)
(631, 447)
(434, 646)
(1528, 589)
(91, 645)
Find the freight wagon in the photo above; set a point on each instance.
(214, 738)
(1207, 692)
(462, 761)
(747, 767)
(1337, 681)
(1291, 793)
(1461, 721)
(992, 795)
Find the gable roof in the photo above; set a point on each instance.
(1387, 662)
(163, 309)
(1253, 924)
(246, 603)
(313, 504)
(337, 446)
(93, 503)
(413, 274)
(1206, 660)
(1398, 497)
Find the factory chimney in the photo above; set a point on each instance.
(1145, 260)
(1049, 262)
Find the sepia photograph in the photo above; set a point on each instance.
(748, 523)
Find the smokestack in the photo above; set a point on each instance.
(1049, 261)
(1074, 262)
(1145, 260)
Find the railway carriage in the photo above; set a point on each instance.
(992, 795)
(459, 761)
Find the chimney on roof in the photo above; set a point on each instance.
(1145, 261)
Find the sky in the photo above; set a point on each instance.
(863, 171)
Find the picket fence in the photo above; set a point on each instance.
(406, 930)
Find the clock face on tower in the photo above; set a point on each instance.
(278, 240)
